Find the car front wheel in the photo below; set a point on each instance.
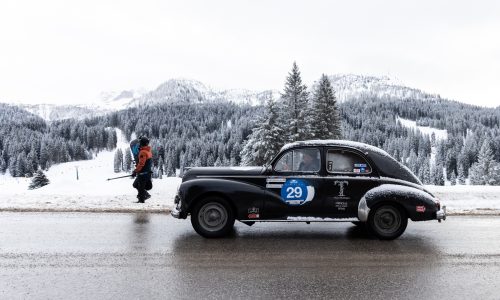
(387, 222)
(212, 217)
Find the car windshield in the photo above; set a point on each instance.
(299, 160)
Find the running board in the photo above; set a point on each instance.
(305, 219)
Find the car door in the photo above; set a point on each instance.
(348, 177)
(293, 184)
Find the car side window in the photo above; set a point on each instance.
(299, 160)
(344, 161)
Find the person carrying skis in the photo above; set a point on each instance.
(143, 171)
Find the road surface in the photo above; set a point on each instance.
(153, 256)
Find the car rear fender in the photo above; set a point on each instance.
(418, 204)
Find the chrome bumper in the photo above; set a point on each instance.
(441, 214)
(175, 213)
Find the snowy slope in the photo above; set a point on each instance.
(90, 193)
(440, 134)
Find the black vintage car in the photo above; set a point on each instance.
(310, 181)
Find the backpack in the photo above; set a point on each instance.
(135, 147)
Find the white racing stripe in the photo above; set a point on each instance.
(274, 186)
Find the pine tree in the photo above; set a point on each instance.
(437, 175)
(38, 180)
(170, 171)
(111, 139)
(21, 165)
(127, 163)
(453, 178)
(182, 163)
(325, 121)
(460, 176)
(265, 140)
(44, 155)
(160, 167)
(32, 162)
(4, 161)
(412, 162)
(295, 107)
(424, 171)
(118, 160)
(13, 166)
(480, 171)
(3, 165)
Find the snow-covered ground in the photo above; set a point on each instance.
(92, 192)
(440, 134)
(468, 199)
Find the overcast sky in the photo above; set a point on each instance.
(70, 51)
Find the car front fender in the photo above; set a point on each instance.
(241, 195)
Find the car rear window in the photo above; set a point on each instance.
(344, 161)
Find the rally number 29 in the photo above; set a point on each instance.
(294, 192)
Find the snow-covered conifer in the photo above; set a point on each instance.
(295, 107)
(325, 121)
(483, 171)
(127, 162)
(265, 140)
(38, 180)
(118, 160)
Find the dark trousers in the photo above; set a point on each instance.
(142, 184)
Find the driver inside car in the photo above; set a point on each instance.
(310, 162)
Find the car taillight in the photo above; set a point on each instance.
(438, 204)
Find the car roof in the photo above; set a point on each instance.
(387, 166)
(345, 143)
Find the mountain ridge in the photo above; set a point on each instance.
(190, 91)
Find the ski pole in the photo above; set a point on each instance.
(143, 173)
(118, 177)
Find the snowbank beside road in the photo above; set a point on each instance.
(110, 196)
(119, 196)
(468, 199)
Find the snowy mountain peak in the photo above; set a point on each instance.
(117, 100)
(183, 90)
(351, 86)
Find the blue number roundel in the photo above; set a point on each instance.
(294, 192)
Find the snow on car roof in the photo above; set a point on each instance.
(352, 144)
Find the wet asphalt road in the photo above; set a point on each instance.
(143, 256)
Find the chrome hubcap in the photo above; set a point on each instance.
(387, 220)
(212, 216)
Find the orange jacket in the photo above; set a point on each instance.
(145, 156)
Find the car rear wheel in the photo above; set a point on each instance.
(212, 217)
(387, 222)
